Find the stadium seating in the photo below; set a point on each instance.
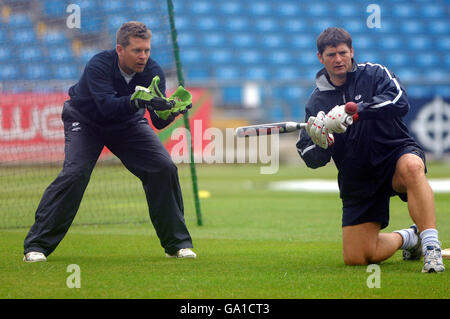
(237, 41)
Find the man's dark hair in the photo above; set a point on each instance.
(333, 37)
(132, 29)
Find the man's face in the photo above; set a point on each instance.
(134, 56)
(337, 60)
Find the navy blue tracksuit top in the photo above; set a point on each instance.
(102, 96)
(363, 154)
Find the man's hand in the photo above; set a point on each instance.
(142, 98)
(335, 120)
(318, 132)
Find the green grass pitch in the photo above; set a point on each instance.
(255, 243)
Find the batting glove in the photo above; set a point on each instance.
(335, 119)
(318, 132)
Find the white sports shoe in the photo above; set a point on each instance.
(432, 260)
(183, 253)
(34, 256)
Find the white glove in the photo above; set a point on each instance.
(318, 131)
(335, 119)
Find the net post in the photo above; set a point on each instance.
(176, 52)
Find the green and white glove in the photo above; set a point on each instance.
(143, 98)
(181, 100)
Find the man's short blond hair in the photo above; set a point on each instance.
(132, 29)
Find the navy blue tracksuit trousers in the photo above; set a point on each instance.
(142, 153)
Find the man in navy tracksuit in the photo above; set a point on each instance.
(103, 111)
(376, 157)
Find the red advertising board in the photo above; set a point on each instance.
(31, 129)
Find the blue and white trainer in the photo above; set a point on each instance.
(432, 260)
(413, 253)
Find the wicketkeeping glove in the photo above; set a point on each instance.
(143, 98)
(181, 100)
(335, 119)
(318, 132)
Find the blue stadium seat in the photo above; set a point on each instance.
(257, 73)
(55, 37)
(194, 73)
(288, 9)
(146, 6)
(31, 55)
(37, 71)
(317, 9)
(294, 25)
(403, 10)
(232, 94)
(287, 73)
(419, 91)
(65, 71)
(355, 26)
(368, 56)
(214, 39)
(421, 42)
(408, 74)
(192, 56)
(207, 24)
(433, 10)
(306, 57)
(259, 8)
(86, 53)
(113, 6)
(24, 36)
(60, 54)
(390, 43)
(202, 7)
(412, 26)
(9, 72)
(280, 57)
(187, 39)
(348, 10)
(91, 25)
(87, 7)
(321, 24)
(443, 43)
(294, 93)
(20, 20)
(54, 8)
(243, 40)
(397, 59)
(229, 8)
(265, 24)
(7, 53)
(425, 60)
(302, 41)
(436, 74)
(227, 73)
(114, 21)
(221, 56)
(251, 56)
(363, 42)
(447, 60)
(439, 27)
(273, 41)
(234, 24)
(3, 34)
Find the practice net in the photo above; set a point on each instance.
(44, 47)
